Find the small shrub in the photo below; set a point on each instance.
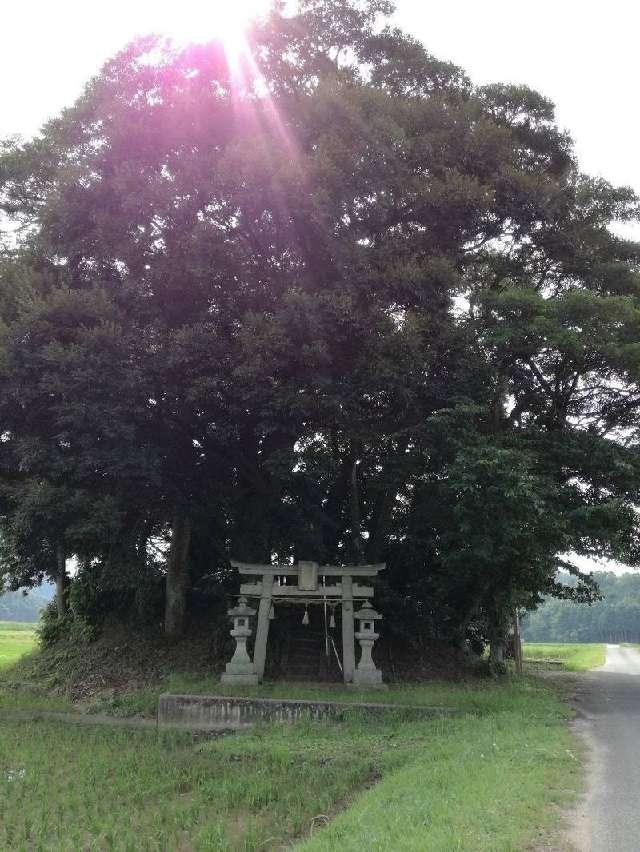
(53, 628)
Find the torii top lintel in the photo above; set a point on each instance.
(307, 574)
(294, 570)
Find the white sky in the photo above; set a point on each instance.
(583, 54)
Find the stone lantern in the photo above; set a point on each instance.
(240, 668)
(366, 673)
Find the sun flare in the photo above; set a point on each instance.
(227, 20)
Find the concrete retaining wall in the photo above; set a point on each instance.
(221, 712)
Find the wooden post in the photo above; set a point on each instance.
(262, 633)
(348, 640)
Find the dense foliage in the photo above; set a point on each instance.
(614, 618)
(326, 300)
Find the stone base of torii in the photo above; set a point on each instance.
(308, 583)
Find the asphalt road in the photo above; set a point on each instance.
(608, 700)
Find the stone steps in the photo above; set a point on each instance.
(307, 659)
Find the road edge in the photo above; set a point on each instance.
(578, 832)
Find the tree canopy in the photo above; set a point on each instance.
(328, 300)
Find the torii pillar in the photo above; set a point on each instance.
(348, 631)
(262, 631)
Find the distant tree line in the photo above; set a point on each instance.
(614, 618)
(329, 300)
(18, 606)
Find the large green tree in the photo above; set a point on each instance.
(328, 299)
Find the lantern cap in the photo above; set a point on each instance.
(241, 610)
(367, 613)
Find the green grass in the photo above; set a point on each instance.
(574, 657)
(17, 627)
(104, 789)
(16, 640)
(497, 782)
(486, 780)
(494, 777)
(474, 695)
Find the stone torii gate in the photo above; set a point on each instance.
(288, 583)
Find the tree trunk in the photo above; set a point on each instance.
(61, 581)
(335, 504)
(498, 629)
(354, 504)
(497, 647)
(517, 643)
(177, 576)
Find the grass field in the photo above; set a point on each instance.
(573, 657)
(487, 780)
(493, 777)
(16, 640)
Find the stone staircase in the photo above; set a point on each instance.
(306, 657)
